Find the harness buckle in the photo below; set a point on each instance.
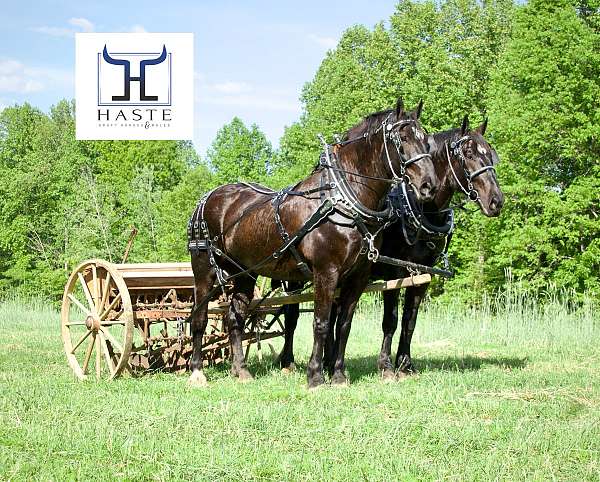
(446, 261)
(373, 255)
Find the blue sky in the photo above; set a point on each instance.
(251, 58)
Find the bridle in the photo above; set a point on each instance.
(391, 133)
(457, 150)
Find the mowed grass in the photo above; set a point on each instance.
(507, 395)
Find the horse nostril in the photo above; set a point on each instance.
(426, 189)
(495, 204)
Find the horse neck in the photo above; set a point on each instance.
(365, 157)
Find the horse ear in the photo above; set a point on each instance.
(465, 125)
(481, 129)
(419, 109)
(399, 108)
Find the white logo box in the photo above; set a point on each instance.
(134, 86)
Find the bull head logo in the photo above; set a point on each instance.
(127, 78)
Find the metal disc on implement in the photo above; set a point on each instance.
(97, 321)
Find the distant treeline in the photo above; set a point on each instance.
(533, 69)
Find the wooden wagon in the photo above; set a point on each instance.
(131, 317)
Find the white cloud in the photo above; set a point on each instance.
(325, 42)
(243, 94)
(16, 77)
(78, 24)
(232, 87)
(83, 23)
(137, 28)
(54, 31)
(260, 102)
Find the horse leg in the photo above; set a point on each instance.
(291, 313)
(204, 279)
(286, 358)
(243, 292)
(349, 296)
(330, 347)
(325, 283)
(412, 301)
(388, 326)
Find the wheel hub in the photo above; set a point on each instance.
(92, 322)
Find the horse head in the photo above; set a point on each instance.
(410, 160)
(474, 168)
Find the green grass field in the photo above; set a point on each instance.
(506, 392)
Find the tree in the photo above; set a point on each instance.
(63, 200)
(39, 162)
(239, 153)
(175, 209)
(358, 77)
(545, 119)
(442, 52)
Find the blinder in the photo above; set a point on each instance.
(457, 150)
(391, 133)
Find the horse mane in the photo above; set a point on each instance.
(441, 138)
(369, 124)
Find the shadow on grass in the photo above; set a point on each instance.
(361, 367)
(366, 366)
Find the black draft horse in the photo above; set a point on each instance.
(242, 226)
(464, 162)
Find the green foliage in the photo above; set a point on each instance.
(442, 52)
(239, 153)
(62, 200)
(546, 123)
(39, 164)
(175, 209)
(356, 78)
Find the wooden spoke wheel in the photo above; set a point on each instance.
(97, 320)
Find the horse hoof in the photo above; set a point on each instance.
(244, 376)
(388, 375)
(289, 369)
(402, 375)
(197, 379)
(315, 382)
(339, 380)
